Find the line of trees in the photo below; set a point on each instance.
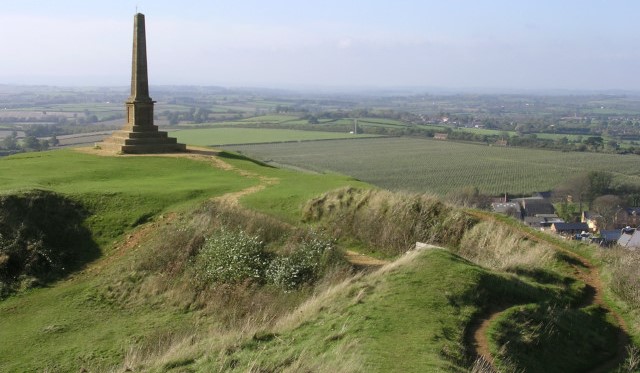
(597, 192)
(29, 143)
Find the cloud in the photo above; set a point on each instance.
(345, 43)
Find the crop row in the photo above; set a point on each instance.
(439, 166)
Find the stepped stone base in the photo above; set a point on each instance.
(141, 140)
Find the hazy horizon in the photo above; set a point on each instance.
(367, 45)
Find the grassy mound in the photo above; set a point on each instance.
(543, 337)
(42, 237)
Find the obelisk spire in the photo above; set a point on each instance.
(139, 134)
(139, 77)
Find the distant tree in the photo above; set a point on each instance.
(31, 143)
(44, 145)
(607, 206)
(595, 142)
(54, 140)
(568, 211)
(10, 142)
(201, 115)
(599, 183)
(612, 144)
(574, 189)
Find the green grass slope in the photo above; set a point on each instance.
(121, 192)
(147, 304)
(73, 323)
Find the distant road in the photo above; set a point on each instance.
(82, 138)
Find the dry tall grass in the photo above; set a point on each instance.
(160, 272)
(391, 222)
(500, 247)
(624, 268)
(212, 346)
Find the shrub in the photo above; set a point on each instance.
(231, 257)
(304, 265)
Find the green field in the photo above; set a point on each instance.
(440, 167)
(223, 136)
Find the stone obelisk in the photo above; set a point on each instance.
(139, 134)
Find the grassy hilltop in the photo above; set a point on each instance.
(214, 262)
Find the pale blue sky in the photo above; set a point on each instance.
(456, 44)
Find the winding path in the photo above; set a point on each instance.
(583, 270)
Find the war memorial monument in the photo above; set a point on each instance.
(140, 135)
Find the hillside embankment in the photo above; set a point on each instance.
(220, 286)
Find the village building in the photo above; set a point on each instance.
(569, 229)
(542, 221)
(629, 238)
(537, 206)
(507, 208)
(593, 220)
(608, 238)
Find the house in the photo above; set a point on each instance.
(629, 238)
(440, 136)
(569, 229)
(593, 220)
(542, 221)
(608, 238)
(546, 194)
(507, 208)
(536, 206)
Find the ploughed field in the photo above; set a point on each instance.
(425, 165)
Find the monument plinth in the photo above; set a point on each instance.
(140, 135)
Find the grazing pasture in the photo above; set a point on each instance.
(441, 166)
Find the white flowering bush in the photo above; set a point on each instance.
(231, 257)
(304, 265)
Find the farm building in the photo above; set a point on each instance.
(569, 229)
(608, 238)
(542, 221)
(507, 208)
(536, 206)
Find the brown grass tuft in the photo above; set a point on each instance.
(499, 247)
(391, 222)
